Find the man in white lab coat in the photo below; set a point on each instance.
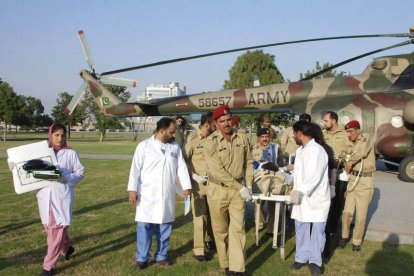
(157, 162)
(311, 196)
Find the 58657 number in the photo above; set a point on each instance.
(208, 102)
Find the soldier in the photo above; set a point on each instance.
(336, 138)
(230, 170)
(265, 151)
(267, 124)
(361, 167)
(194, 154)
(287, 142)
(180, 131)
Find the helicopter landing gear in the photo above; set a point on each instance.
(406, 169)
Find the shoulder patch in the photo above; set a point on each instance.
(191, 136)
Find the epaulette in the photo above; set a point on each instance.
(191, 136)
(365, 137)
(213, 135)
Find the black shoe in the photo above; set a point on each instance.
(210, 245)
(297, 265)
(70, 251)
(141, 265)
(342, 242)
(228, 272)
(46, 273)
(315, 269)
(200, 258)
(356, 247)
(164, 263)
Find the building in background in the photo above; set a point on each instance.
(173, 89)
(152, 92)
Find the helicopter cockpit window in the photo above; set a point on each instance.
(379, 64)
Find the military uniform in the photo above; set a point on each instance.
(229, 166)
(194, 154)
(360, 188)
(337, 140)
(287, 142)
(273, 135)
(180, 136)
(257, 154)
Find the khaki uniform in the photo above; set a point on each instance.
(194, 154)
(287, 142)
(273, 135)
(337, 140)
(360, 189)
(257, 156)
(229, 166)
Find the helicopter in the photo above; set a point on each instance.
(381, 98)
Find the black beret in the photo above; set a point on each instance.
(263, 131)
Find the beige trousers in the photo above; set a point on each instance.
(357, 200)
(227, 219)
(201, 223)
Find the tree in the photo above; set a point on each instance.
(59, 115)
(242, 76)
(318, 67)
(28, 111)
(7, 105)
(250, 64)
(102, 121)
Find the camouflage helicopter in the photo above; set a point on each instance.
(381, 98)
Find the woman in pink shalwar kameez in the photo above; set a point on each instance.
(56, 201)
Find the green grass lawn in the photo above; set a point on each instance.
(103, 234)
(82, 142)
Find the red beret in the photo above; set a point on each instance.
(352, 124)
(220, 111)
(235, 120)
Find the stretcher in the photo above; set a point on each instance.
(281, 202)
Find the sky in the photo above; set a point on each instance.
(40, 53)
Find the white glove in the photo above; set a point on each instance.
(246, 193)
(332, 189)
(296, 197)
(11, 165)
(199, 179)
(288, 179)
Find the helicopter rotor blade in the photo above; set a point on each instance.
(119, 81)
(76, 98)
(250, 48)
(411, 41)
(86, 50)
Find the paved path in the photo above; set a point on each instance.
(391, 210)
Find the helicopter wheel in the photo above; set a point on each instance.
(406, 169)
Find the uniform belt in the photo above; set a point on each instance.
(218, 182)
(362, 174)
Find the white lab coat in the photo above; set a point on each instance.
(60, 196)
(153, 176)
(311, 178)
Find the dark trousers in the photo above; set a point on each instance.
(335, 211)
